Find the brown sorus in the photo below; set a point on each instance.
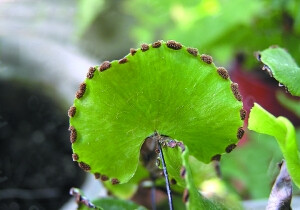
(182, 172)
(97, 175)
(132, 51)
(235, 91)
(243, 114)
(240, 133)
(104, 178)
(192, 51)
(144, 47)
(104, 66)
(84, 166)
(72, 111)
(206, 58)
(90, 73)
(223, 72)
(81, 90)
(173, 181)
(156, 44)
(216, 157)
(230, 147)
(174, 45)
(185, 196)
(75, 157)
(123, 60)
(115, 181)
(181, 145)
(73, 134)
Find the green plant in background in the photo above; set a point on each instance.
(284, 69)
(160, 89)
(282, 129)
(221, 28)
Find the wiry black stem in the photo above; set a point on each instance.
(166, 176)
(153, 201)
(81, 199)
(217, 168)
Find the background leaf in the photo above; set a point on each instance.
(113, 204)
(291, 104)
(263, 122)
(283, 67)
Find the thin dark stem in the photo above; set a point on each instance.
(166, 176)
(153, 201)
(217, 168)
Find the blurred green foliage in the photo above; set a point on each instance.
(261, 121)
(221, 28)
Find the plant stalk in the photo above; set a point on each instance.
(166, 176)
(153, 200)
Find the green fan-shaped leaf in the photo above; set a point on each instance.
(127, 190)
(113, 204)
(283, 130)
(164, 88)
(283, 67)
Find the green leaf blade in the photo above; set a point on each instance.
(283, 67)
(113, 204)
(161, 89)
(283, 130)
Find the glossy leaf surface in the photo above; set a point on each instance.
(166, 88)
(283, 67)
